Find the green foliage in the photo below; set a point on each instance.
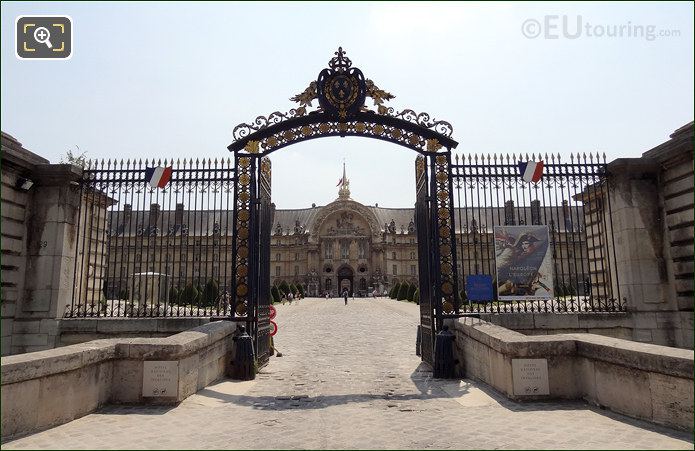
(123, 294)
(416, 296)
(403, 291)
(571, 291)
(395, 290)
(190, 294)
(411, 293)
(211, 292)
(284, 287)
(71, 158)
(275, 294)
(462, 296)
(293, 289)
(300, 288)
(199, 298)
(173, 295)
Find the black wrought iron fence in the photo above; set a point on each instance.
(154, 239)
(534, 234)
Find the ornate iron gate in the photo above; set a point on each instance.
(264, 213)
(424, 247)
(341, 91)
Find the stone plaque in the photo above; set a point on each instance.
(160, 378)
(530, 376)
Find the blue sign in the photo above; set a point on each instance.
(479, 287)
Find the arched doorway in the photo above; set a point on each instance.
(345, 280)
(341, 91)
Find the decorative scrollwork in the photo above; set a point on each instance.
(423, 120)
(241, 131)
(340, 90)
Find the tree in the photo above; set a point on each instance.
(275, 293)
(300, 288)
(190, 294)
(199, 299)
(284, 287)
(395, 290)
(293, 289)
(570, 290)
(211, 292)
(71, 158)
(411, 293)
(173, 296)
(403, 291)
(416, 296)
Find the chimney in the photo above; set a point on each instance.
(154, 214)
(509, 213)
(178, 215)
(536, 212)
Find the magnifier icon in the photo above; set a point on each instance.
(42, 36)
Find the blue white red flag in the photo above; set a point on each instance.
(531, 171)
(158, 177)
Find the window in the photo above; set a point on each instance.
(296, 270)
(328, 250)
(412, 270)
(277, 257)
(412, 255)
(362, 249)
(393, 255)
(395, 270)
(296, 256)
(277, 271)
(344, 250)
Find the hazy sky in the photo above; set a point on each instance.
(173, 79)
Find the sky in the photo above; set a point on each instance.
(172, 80)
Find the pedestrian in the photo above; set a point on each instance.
(284, 299)
(290, 297)
(345, 295)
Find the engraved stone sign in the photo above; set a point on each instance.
(530, 376)
(160, 378)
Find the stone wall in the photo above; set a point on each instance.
(71, 331)
(647, 209)
(666, 328)
(18, 165)
(47, 388)
(644, 381)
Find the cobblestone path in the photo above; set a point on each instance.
(349, 379)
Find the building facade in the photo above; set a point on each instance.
(326, 249)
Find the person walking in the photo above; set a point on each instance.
(290, 297)
(345, 295)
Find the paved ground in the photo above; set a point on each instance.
(349, 379)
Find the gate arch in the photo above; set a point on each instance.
(341, 91)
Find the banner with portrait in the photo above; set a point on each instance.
(523, 258)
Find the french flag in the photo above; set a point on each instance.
(531, 171)
(158, 177)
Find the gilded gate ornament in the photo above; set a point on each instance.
(341, 90)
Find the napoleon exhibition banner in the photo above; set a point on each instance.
(524, 262)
